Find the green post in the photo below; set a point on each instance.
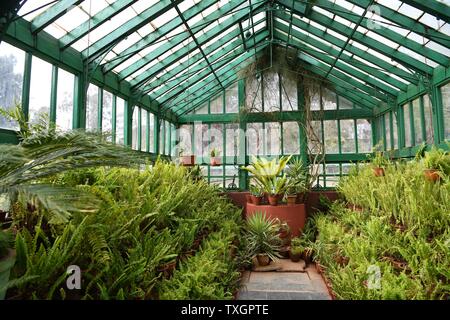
(114, 115)
(242, 157)
(79, 102)
(26, 84)
(100, 109)
(301, 106)
(157, 132)
(128, 123)
(54, 93)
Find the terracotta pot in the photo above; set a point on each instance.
(291, 200)
(431, 175)
(249, 198)
(378, 172)
(273, 200)
(187, 160)
(215, 161)
(295, 257)
(256, 200)
(263, 259)
(284, 252)
(301, 197)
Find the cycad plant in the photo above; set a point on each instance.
(45, 151)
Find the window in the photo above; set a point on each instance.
(395, 129)
(315, 99)
(387, 130)
(92, 107)
(364, 134)
(144, 130)
(254, 139)
(135, 128)
(107, 112)
(291, 142)
(216, 138)
(271, 91)
(345, 104)
(151, 135)
(216, 105)
(232, 139)
(253, 98)
(407, 122)
(185, 138)
(273, 138)
(331, 135)
(315, 137)
(328, 99)
(40, 89)
(445, 92)
(348, 143)
(428, 114)
(201, 139)
(288, 93)
(231, 99)
(417, 116)
(120, 120)
(11, 70)
(64, 100)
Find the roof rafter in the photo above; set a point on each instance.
(51, 14)
(434, 8)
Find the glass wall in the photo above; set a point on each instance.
(64, 100)
(445, 95)
(40, 89)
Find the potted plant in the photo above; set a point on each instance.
(186, 160)
(296, 250)
(277, 190)
(379, 162)
(291, 194)
(298, 175)
(437, 163)
(7, 259)
(256, 194)
(215, 159)
(261, 238)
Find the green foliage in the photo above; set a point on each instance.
(437, 159)
(298, 175)
(261, 236)
(403, 229)
(145, 219)
(6, 242)
(256, 190)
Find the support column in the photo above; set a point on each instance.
(242, 153)
(303, 135)
(79, 102)
(128, 123)
(26, 84)
(54, 93)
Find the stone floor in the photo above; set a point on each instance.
(284, 285)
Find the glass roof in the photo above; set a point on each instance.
(164, 47)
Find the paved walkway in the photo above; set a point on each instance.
(279, 285)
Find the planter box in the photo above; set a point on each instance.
(293, 215)
(187, 160)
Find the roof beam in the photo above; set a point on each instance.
(386, 32)
(435, 8)
(216, 60)
(209, 35)
(156, 35)
(132, 25)
(203, 85)
(96, 21)
(52, 14)
(350, 48)
(351, 68)
(382, 48)
(197, 44)
(407, 23)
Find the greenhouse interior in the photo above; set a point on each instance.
(225, 150)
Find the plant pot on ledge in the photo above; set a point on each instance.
(263, 260)
(187, 160)
(378, 172)
(291, 200)
(256, 200)
(215, 161)
(431, 175)
(273, 199)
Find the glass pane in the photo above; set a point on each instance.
(445, 92)
(185, 138)
(253, 97)
(120, 120)
(395, 129)
(348, 136)
(216, 105)
(92, 107)
(12, 62)
(151, 135)
(271, 92)
(144, 130)
(216, 138)
(168, 147)
(202, 110)
(428, 118)
(201, 140)
(231, 170)
(232, 139)
(387, 127)
(135, 128)
(315, 138)
(289, 92)
(40, 88)
(64, 104)
(364, 134)
(273, 136)
(161, 137)
(107, 112)
(417, 122)
(315, 98)
(291, 142)
(331, 136)
(216, 171)
(407, 119)
(328, 99)
(345, 104)
(254, 138)
(231, 99)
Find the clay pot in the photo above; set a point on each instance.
(215, 161)
(273, 199)
(256, 200)
(295, 257)
(301, 197)
(378, 172)
(187, 160)
(249, 198)
(284, 252)
(263, 259)
(291, 200)
(431, 175)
